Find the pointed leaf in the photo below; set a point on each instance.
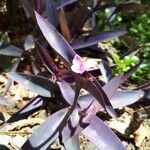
(11, 51)
(111, 86)
(122, 98)
(47, 132)
(95, 89)
(131, 71)
(47, 60)
(85, 100)
(29, 42)
(73, 143)
(51, 13)
(119, 99)
(32, 106)
(57, 42)
(101, 136)
(67, 91)
(9, 81)
(106, 71)
(38, 84)
(75, 126)
(69, 130)
(95, 39)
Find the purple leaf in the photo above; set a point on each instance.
(67, 91)
(51, 13)
(29, 42)
(131, 71)
(32, 106)
(74, 115)
(3, 100)
(68, 79)
(88, 114)
(11, 51)
(106, 71)
(35, 69)
(73, 143)
(78, 86)
(95, 39)
(123, 98)
(119, 99)
(109, 88)
(55, 39)
(13, 69)
(38, 84)
(101, 136)
(69, 130)
(47, 132)
(78, 122)
(94, 88)
(62, 3)
(47, 60)
(85, 100)
(112, 85)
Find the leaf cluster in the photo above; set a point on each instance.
(62, 32)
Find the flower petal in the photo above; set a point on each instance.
(77, 65)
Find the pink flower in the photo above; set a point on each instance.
(77, 64)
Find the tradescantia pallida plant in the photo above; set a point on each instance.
(80, 113)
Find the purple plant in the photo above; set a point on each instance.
(79, 115)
